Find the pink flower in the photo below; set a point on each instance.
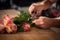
(10, 26)
(7, 19)
(55, 12)
(26, 26)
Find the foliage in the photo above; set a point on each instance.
(22, 17)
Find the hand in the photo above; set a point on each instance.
(35, 10)
(37, 6)
(31, 8)
(43, 22)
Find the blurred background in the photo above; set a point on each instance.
(7, 4)
(17, 4)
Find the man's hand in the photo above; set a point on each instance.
(43, 22)
(45, 4)
(36, 8)
(33, 7)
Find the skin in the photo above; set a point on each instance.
(38, 6)
(43, 22)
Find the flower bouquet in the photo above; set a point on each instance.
(19, 23)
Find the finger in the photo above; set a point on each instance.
(31, 8)
(38, 21)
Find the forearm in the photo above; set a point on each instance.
(55, 23)
(53, 1)
(45, 4)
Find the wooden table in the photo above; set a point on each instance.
(10, 12)
(34, 34)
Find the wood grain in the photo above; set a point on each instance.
(34, 34)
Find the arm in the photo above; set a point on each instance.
(45, 22)
(36, 8)
(46, 5)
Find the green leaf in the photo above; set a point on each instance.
(22, 17)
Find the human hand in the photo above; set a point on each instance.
(35, 10)
(43, 22)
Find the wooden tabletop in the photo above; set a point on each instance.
(34, 34)
(10, 12)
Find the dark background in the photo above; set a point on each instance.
(25, 2)
(21, 3)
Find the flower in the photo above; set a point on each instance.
(26, 26)
(7, 25)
